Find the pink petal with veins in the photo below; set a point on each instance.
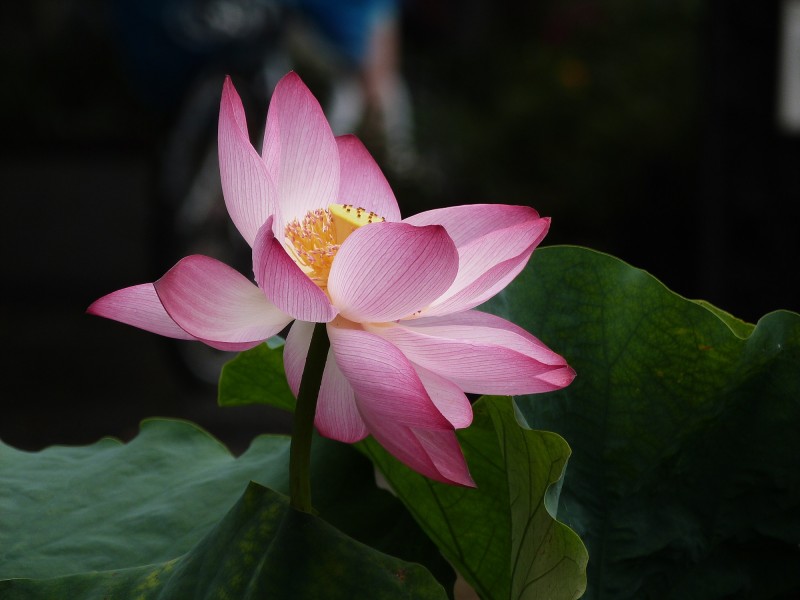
(284, 283)
(488, 264)
(337, 414)
(384, 381)
(386, 271)
(480, 353)
(218, 305)
(139, 306)
(250, 194)
(447, 397)
(443, 448)
(300, 151)
(470, 221)
(362, 183)
(434, 454)
(295, 352)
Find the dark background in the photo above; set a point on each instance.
(645, 129)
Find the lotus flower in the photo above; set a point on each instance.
(398, 295)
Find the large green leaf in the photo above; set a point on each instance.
(261, 549)
(685, 477)
(503, 536)
(111, 506)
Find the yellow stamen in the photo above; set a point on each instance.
(314, 241)
(312, 244)
(347, 218)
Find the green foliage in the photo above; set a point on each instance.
(112, 508)
(256, 377)
(68, 509)
(684, 481)
(503, 536)
(261, 549)
(685, 477)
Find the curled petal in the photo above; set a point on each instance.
(481, 353)
(385, 383)
(387, 271)
(489, 263)
(250, 194)
(139, 306)
(470, 221)
(218, 305)
(284, 283)
(362, 183)
(300, 151)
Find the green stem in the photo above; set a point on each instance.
(303, 428)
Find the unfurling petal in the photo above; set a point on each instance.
(300, 151)
(494, 244)
(387, 271)
(362, 183)
(470, 221)
(481, 353)
(139, 306)
(284, 283)
(489, 263)
(385, 383)
(218, 305)
(250, 194)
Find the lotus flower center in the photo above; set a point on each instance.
(314, 241)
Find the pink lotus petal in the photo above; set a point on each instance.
(434, 454)
(250, 195)
(559, 378)
(475, 325)
(488, 264)
(469, 221)
(443, 449)
(295, 352)
(480, 353)
(401, 443)
(386, 271)
(300, 151)
(284, 283)
(218, 305)
(447, 397)
(337, 413)
(385, 383)
(362, 183)
(139, 306)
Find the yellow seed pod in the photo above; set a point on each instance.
(347, 218)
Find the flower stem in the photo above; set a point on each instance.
(303, 427)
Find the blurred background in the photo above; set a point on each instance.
(665, 133)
